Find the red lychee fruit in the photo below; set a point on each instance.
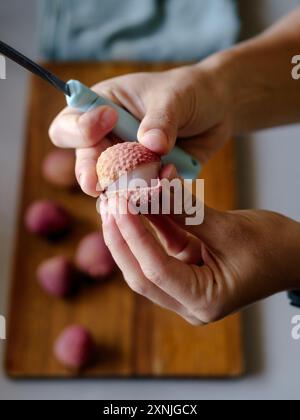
(59, 168)
(93, 257)
(48, 219)
(75, 347)
(57, 276)
(129, 168)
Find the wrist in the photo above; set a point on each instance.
(234, 85)
(214, 75)
(242, 83)
(275, 246)
(284, 247)
(219, 70)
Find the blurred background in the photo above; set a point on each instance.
(268, 177)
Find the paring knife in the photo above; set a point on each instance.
(83, 99)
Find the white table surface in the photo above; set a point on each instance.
(269, 178)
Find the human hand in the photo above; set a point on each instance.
(188, 102)
(206, 272)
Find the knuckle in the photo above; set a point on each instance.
(123, 227)
(158, 273)
(154, 275)
(109, 243)
(206, 305)
(86, 132)
(165, 115)
(194, 321)
(139, 287)
(109, 92)
(113, 243)
(208, 315)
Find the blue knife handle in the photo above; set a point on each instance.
(84, 99)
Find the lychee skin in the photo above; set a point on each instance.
(120, 159)
(94, 258)
(58, 168)
(57, 276)
(75, 347)
(47, 219)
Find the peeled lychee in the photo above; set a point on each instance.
(59, 168)
(57, 276)
(93, 257)
(75, 347)
(128, 167)
(48, 219)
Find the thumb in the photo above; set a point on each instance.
(158, 129)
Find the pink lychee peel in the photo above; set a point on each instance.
(93, 257)
(58, 168)
(75, 347)
(57, 276)
(47, 218)
(120, 165)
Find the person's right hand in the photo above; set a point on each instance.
(203, 272)
(188, 102)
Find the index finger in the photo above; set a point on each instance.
(73, 129)
(177, 279)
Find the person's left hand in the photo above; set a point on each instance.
(205, 272)
(191, 102)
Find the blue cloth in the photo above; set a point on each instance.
(143, 30)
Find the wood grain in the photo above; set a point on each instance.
(135, 337)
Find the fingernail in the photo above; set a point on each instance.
(156, 140)
(86, 185)
(108, 118)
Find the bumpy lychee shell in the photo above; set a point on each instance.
(57, 276)
(58, 168)
(93, 257)
(120, 159)
(75, 347)
(47, 219)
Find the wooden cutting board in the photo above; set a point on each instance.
(135, 337)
